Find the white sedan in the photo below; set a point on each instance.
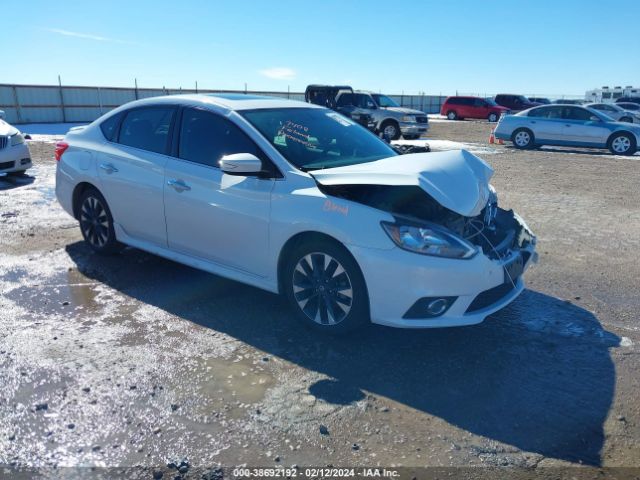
(299, 200)
(14, 152)
(616, 112)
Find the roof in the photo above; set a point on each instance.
(230, 101)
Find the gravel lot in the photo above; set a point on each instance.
(135, 360)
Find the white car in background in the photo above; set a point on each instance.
(616, 112)
(297, 199)
(14, 152)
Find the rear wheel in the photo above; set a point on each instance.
(493, 117)
(622, 144)
(523, 138)
(451, 115)
(325, 287)
(96, 223)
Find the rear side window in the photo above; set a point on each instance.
(454, 101)
(345, 99)
(147, 128)
(576, 113)
(110, 127)
(206, 137)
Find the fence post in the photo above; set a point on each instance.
(16, 102)
(136, 91)
(100, 100)
(64, 116)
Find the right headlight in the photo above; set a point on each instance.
(428, 240)
(16, 139)
(409, 119)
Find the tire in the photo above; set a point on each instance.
(96, 223)
(451, 115)
(325, 287)
(523, 139)
(622, 144)
(390, 129)
(626, 119)
(18, 173)
(493, 117)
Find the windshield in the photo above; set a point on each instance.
(384, 101)
(315, 138)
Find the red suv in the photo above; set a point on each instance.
(457, 108)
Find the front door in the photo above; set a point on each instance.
(209, 214)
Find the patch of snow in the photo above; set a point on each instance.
(47, 132)
(444, 145)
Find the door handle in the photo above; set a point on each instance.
(107, 167)
(566, 125)
(178, 185)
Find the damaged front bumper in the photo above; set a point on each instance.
(474, 288)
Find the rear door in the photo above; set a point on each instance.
(131, 172)
(209, 214)
(546, 123)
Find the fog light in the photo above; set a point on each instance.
(25, 161)
(429, 307)
(437, 307)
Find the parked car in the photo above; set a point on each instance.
(616, 112)
(568, 126)
(632, 107)
(458, 108)
(514, 102)
(567, 101)
(391, 119)
(15, 157)
(325, 96)
(540, 100)
(297, 199)
(628, 99)
(1, 114)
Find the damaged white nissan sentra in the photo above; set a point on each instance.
(297, 199)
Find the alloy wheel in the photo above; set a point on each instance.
(322, 288)
(621, 144)
(94, 222)
(522, 139)
(390, 131)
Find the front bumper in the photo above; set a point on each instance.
(15, 159)
(396, 279)
(414, 128)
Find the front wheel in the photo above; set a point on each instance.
(390, 130)
(96, 223)
(523, 139)
(493, 117)
(622, 144)
(451, 115)
(325, 287)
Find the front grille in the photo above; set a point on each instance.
(422, 120)
(491, 296)
(3, 142)
(5, 165)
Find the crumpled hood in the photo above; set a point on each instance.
(407, 111)
(6, 129)
(456, 179)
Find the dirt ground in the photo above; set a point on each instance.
(133, 360)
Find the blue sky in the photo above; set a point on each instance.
(550, 47)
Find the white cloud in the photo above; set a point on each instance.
(69, 33)
(279, 73)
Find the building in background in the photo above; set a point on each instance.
(611, 94)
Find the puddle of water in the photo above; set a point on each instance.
(227, 386)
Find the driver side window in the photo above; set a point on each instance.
(206, 137)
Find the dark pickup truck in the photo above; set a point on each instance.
(325, 96)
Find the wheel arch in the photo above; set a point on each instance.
(78, 190)
(300, 238)
(618, 132)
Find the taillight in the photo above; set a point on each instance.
(61, 147)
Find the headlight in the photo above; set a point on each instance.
(408, 118)
(428, 240)
(16, 139)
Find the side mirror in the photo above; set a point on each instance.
(243, 164)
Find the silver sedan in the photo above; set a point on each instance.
(568, 126)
